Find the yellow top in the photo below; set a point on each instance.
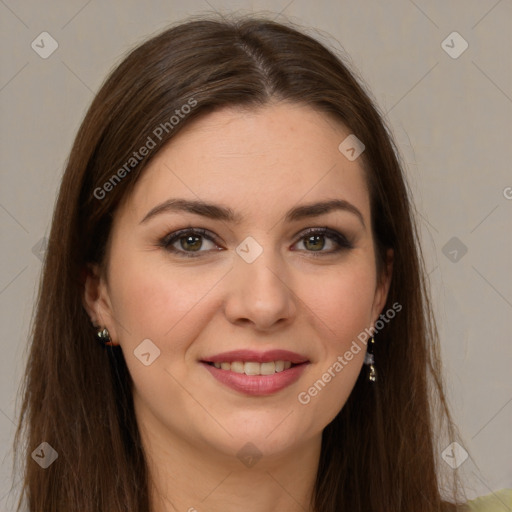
(498, 501)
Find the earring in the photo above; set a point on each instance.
(103, 336)
(369, 359)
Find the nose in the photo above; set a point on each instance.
(260, 293)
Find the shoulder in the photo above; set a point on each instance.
(498, 501)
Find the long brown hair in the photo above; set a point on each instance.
(380, 452)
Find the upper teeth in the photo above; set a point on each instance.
(253, 368)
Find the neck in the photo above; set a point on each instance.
(196, 477)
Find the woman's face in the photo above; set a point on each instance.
(245, 287)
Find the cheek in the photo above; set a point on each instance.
(343, 307)
(168, 305)
(159, 300)
(343, 301)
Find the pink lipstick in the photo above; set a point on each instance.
(256, 373)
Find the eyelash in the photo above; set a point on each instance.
(168, 240)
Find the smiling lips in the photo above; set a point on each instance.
(254, 368)
(256, 373)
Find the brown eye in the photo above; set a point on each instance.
(192, 242)
(188, 242)
(316, 239)
(315, 242)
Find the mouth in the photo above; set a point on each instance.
(255, 373)
(253, 367)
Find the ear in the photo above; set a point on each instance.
(96, 300)
(383, 284)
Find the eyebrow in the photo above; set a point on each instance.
(223, 213)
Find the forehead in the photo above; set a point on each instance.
(257, 162)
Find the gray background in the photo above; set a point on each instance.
(451, 118)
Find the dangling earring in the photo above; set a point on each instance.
(103, 336)
(369, 359)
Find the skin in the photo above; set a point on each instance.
(260, 163)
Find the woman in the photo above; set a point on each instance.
(234, 228)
